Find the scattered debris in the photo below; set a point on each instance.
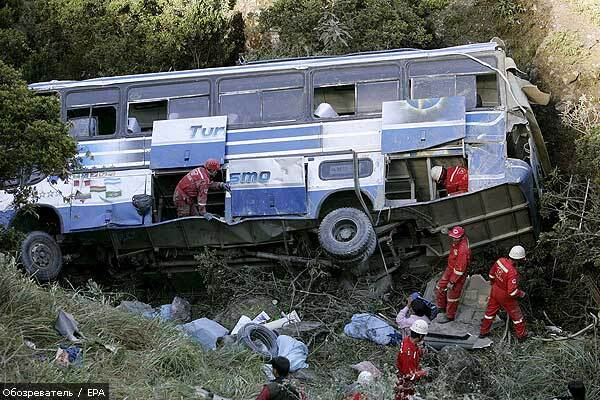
(205, 331)
(260, 339)
(367, 366)
(294, 350)
(135, 307)
(181, 310)
(67, 326)
(69, 356)
(370, 327)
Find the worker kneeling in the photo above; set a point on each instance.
(454, 179)
(192, 190)
(505, 291)
(449, 288)
(409, 359)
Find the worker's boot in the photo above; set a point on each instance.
(483, 335)
(443, 318)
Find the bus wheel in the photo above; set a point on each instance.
(41, 256)
(344, 233)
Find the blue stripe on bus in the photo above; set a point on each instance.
(174, 155)
(409, 139)
(282, 132)
(93, 216)
(270, 147)
(268, 201)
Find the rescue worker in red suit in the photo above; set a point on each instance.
(280, 388)
(454, 179)
(409, 359)
(192, 190)
(504, 279)
(449, 288)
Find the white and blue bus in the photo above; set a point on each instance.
(338, 146)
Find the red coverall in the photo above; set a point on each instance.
(505, 291)
(457, 180)
(458, 261)
(193, 186)
(407, 363)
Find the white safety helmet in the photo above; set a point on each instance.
(364, 378)
(517, 253)
(436, 173)
(420, 327)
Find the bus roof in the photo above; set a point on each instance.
(268, 66)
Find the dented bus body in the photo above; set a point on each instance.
(390, 117)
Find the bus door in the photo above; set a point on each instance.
(188, 142)
(266, 187)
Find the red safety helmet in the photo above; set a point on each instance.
(212, 165)
(456, 233)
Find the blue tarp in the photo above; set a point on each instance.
(205, 331)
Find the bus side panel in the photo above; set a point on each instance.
(267, 187)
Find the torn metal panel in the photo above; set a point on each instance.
(519, 100)
(184, 143)
(267, 186)
(410, 125)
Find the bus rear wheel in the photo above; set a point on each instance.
(41, 256)
(344, 233)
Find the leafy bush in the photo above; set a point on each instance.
(312, 27)
(31, 133)
(77, 39)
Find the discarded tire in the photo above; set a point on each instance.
(344, 233)
(41, 256)
(259, 339)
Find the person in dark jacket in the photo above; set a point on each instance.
(280, 388)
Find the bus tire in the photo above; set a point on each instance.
(41, 256)
(363, 257)
(344, 233)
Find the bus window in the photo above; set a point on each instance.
(283, 105)
(341, 98)
(189, 107)
(267, 98)
(92, 121)
(478, 90)
(370, 95)
(147, 112)
(241, 108)
(487, 91)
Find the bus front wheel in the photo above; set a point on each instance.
(41, 256)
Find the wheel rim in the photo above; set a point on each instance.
(41, 255)
(344, 231)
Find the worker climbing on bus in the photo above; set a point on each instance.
(504, 278)
(192, 190)
(409, 359)
(449, 287)
(454, 179)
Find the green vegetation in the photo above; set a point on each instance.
(155, 360)
(312, 27)
(77, 39)
(33, 137)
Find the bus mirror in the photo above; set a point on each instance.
(324, 110)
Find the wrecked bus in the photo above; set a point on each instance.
(340, 147)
